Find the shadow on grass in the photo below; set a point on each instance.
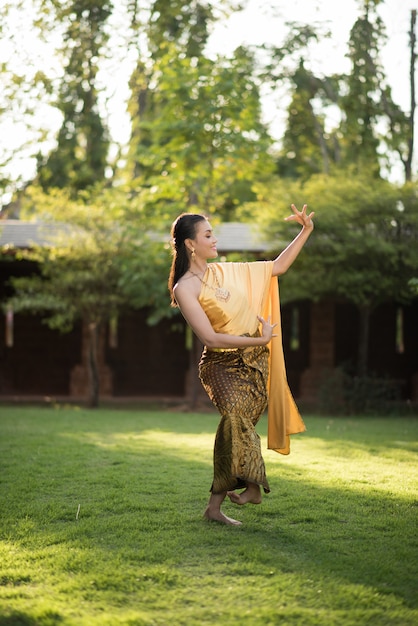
(104, 499)
(17, 618)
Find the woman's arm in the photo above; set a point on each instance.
(201, 326)
(289, 254)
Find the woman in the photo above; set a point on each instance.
(233, 308)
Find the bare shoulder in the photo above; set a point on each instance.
(186, 289)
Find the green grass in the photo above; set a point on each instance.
(101, 524)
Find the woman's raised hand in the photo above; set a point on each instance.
(301, 217)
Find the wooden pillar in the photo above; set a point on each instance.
(321, 349)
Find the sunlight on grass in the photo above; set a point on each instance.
(373, 466)
(358, 466)
(101, 524)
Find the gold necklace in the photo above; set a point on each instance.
(221, 293)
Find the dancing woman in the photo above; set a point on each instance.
(233, 308)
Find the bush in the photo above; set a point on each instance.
(342, 394)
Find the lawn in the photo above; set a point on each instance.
(101, 523)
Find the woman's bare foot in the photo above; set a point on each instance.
(251, 494)
(218, 516)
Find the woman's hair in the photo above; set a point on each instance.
(184, 227)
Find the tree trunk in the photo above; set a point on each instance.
(322, 144)
(412, 40)
(363, 345)
(93, 369)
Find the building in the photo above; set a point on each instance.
(138, 360)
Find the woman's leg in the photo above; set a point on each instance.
(239, 393)
(251, 494)
(213, 510)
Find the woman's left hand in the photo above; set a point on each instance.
(301, 217)
(267, 329)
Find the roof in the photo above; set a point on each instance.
(231, 236)
(21, 234)
(239, 237)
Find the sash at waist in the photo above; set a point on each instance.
(222, 349)
(256, 334)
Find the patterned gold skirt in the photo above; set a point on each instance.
(236, 383)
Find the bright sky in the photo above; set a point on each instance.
(264, 21)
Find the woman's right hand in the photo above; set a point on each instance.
(266, 329)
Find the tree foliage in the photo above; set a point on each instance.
(94, 268)
(364, 249)
(182, 22)
(365, 246)
(200, 142)
(29, 76)
(307, 148)
(361, 104)
(346, 120)
(79, 159)
(197, 136)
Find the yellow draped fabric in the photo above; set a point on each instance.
(254, 291)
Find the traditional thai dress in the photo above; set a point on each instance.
(241, 383)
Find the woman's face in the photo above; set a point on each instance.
(205, 241)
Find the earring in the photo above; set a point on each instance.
(193, 255)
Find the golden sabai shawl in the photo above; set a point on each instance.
(254, 291)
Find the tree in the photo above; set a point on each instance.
(401, 127)
(182, 26)
(372, 129)
(307, 148)
(80, 157)
(360, 105)
(197, 137)
(28, 78)
(365, 246)
(85, 271)
(202, 142)
(181, 22)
